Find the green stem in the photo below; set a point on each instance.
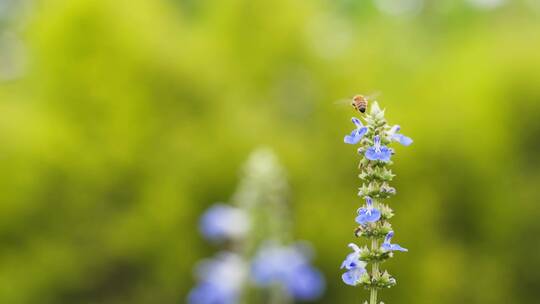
(374, 273)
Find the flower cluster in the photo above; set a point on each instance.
(373, 217)
(223, 222)
(220, 280)
(257, 256)
(288, 267)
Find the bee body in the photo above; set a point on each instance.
(360, 103)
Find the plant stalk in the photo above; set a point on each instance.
(374, 273)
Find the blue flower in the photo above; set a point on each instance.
(220, 280)
(222, 222)
(356, 134)
(387, 246)
(207, 293)
(378, 151)
(355, 267)
(290, 267)
(368, 214)
(305, 283)
(400, 138)
(353, 259)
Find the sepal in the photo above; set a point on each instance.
(376, 190)
(381, 174)
(386, 212)
(373, 230)
(379, 281)
(374, 255)
(376, 111)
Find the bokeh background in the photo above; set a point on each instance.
(121, 121)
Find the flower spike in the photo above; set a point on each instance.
(374, 138)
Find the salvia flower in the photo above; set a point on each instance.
(356, 134)
(387, 246)
(221, 222)
(374, 217)
(400, 138)
(220, 280)
(369, 214)
(260, 198)
(378, 151)
(355, 267)
(289, 267)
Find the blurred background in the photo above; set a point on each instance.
(121, 121)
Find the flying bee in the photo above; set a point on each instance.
(360, 103)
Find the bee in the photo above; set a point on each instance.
(360, 103)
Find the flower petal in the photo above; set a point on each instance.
(351, 261)
(389, 236)
(385, 154)
(357, 122)
(352, 276)
(353, 138)
(371, 154)
(394, 130)
(402, 139)
(368, 216)
(369, 201)
(354, 247)
(361, 219)
(376, 141)
(386, 247)
(374, 216)
(396, 247)
(362, 131)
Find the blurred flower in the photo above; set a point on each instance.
(378, 151)
(400, 138)
(357, 134)
(220, 280)
(355, 267)
(368, 214)
(290, 267)
(221, 222)
(387, 246)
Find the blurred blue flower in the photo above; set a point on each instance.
(206, 293)
(305, 283)
(395, 136)
(220, 280)
(387, 246)
(356, 134)
(368, 214)
(222, 222)
(290, 267)
(355, 267)
(378, 151)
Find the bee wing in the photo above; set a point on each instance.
(342, 101)
(374, 95)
